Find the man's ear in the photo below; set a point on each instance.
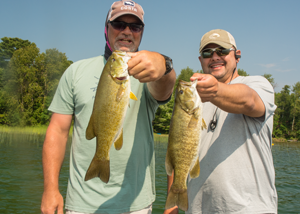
(238, 55)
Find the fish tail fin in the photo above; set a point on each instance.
(98, 168)
(89, 133)
(183, 203)
(179, 199)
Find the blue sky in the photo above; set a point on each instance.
(266, 32)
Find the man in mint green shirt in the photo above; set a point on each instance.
(131, 187)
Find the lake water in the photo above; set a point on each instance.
(21, 178)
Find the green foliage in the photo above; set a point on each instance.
(241, 72)
(271, 79)
(161, 123)
(29, 81)
(7, 48)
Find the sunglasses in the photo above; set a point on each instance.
(134, 27)
(208, 52)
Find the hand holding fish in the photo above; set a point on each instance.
(52, 201)
(146, 66)
(207, 86)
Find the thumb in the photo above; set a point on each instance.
(60, 209)
(132, 54)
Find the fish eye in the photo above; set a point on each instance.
(181, 91)
(113, 59)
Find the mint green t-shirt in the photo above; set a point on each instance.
(132, 180)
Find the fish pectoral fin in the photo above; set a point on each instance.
(195, 171)
(204, 126)
(193, 122)
(132, 96)
(119, 141)
(168, 164)
(98, 168)
(120, 93)
(89, 132)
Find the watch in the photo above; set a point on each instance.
(169, 64)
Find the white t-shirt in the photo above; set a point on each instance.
(236, 165)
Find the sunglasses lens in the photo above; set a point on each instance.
(135, 28)
(224, 52)
(207, 53)
(118, 25)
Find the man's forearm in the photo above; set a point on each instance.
(239, 99)
(162, 89)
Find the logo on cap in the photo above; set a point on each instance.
(214, 36)
(129, 3)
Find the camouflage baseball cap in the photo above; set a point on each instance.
(219, 37)
(123, 7)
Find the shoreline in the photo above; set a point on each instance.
(157, 136)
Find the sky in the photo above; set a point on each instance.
(266, 32)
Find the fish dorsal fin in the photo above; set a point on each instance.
(132, 96)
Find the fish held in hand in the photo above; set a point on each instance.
(110, 106)
(184, 141)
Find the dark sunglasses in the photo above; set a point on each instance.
(208, 52)
(134, 27)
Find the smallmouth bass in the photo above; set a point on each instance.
(110, 107)
(184, 142)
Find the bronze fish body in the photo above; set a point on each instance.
(184, 141)
(109, 110)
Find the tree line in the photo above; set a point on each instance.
(28, 80)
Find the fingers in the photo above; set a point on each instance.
(146, 66)
(207, 86)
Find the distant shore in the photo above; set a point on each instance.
(157, 136)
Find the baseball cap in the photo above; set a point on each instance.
(123, 7)
(219, 37)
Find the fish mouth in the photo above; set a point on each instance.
(121, 78)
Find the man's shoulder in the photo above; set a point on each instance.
(250, 80)
(88, 61)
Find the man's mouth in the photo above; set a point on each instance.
(127, 41)
(216, 65)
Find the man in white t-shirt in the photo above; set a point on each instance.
(236, 165)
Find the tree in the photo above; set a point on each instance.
(161, 123)
(271, 79)
(7, 48)
(295, 109)
(241, 72)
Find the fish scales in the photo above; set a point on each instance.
(184, 142)
(110, 106)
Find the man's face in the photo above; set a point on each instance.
(124, 40)
(221, 67)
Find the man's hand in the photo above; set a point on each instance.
(173, 210)
(207, 86)
(146, 66)
(52, 201)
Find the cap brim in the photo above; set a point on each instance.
(222, 44)
(124, 13)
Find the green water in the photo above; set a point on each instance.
(21, 178)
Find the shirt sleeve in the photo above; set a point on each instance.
(266, 92)
(63, 102)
